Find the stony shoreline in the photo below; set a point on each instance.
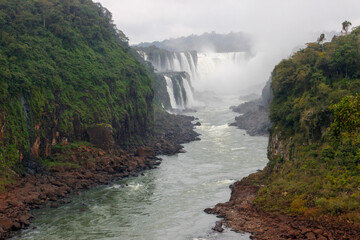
(97, 166)
(241, 214)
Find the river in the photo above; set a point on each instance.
(165, 203)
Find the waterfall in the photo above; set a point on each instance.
(180, 91)
(180, 100)
(189, 93)
(203, 72)
(170, 90)
(172, 61)
(211, 63)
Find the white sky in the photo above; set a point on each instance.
(151, 20)
(277, 26)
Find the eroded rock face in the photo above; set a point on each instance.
(278, 147)
(101, 135)
(255, 114)
(35, 149)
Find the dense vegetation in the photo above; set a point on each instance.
(314, 147)
(64, 67)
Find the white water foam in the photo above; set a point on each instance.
(170, 90)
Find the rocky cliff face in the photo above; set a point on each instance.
(255, 114)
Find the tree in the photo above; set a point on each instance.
(345, 26)
(321, 38)
(45, 5)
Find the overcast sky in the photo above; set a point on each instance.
(277, 27)
(150, 20)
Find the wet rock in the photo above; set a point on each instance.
(218, 226)
(54, 205)
(209, 210)
(197, 124)
(24, 220)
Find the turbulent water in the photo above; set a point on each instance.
(167, 202)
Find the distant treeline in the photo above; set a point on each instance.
(232, 42)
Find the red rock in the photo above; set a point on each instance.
(321, 237)
(16, 225)
(5, 223)
(144, 152)
(310, 235)
(305, 230)
(54, 205)
(24, 220)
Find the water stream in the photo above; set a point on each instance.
(167, 202)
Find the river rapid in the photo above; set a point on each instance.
(166, 202)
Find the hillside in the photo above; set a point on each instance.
(310, 189)
(314, 146)
(66, 75)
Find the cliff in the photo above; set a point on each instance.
(66, 75)
(310, 189)
(314, 141)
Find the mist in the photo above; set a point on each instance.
(276, 28)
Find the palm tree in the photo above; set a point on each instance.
(321, 38)
(345, 26)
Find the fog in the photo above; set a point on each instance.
(276, 27)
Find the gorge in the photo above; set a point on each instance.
(103, 140)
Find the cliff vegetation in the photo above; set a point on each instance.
(65, 72)
(314, 145)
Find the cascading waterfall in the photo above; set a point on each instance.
(170, 90)
(189, 93)
(204, 69)
(180, 100)
(180, 91)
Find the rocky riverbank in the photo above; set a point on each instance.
(254, 119)
(242, 214)
(87, 166)
(254, 116)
